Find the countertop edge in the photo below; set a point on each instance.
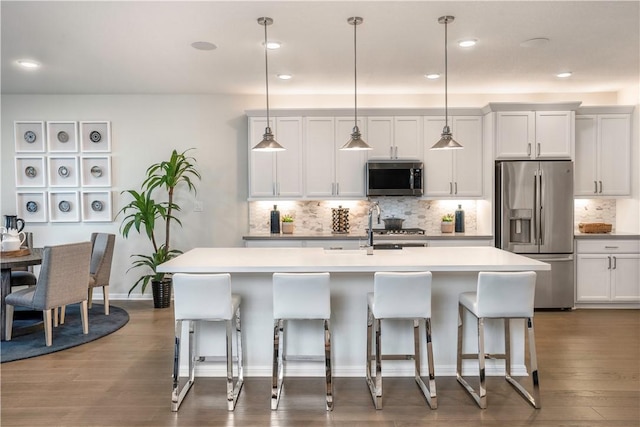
(452, 236)
(606, 236)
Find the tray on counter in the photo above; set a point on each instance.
(594, 227)
(13, 254)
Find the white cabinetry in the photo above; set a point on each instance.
(453, 173)
(608, 271)
(534, 134)
(276, 174)
(603, 155)
(395, 137)
(328, 171)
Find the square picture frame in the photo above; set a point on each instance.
(63, 171)
(29, 136)
(31, 206)
(95, 136)
(64, 206)
(95, 171)
(96, 206)
(30, 171)
(62, 136)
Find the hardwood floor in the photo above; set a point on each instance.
(589, 375)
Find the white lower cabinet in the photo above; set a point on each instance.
(608, 271)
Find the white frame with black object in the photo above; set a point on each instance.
(63, 171)
(36, 214)
(29, 136)
(62, 136)
(96, 206)
(95, 136)
(95, 171)
(30, 171)
(57, 212)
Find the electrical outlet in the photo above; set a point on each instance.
(199, 206)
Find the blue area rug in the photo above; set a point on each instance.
(65, 336)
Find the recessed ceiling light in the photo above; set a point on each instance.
(28, 63)
(467, 43)
(203, 46)
(564, 75)
(536, 42)
(432, 76)
(285, 76)
(273, 45)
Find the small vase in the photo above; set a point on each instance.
(287, 228)
(161, 293)
(446, 227)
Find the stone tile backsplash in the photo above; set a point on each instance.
(595, 210)
(315, 216)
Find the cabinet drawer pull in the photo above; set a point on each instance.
(615, 263)
(337, 188)
(450, 187)
(611, 247)
(538, 155)
(600, 186)
(609, 258)
(595, 187)
(456, 187)
(529, 149)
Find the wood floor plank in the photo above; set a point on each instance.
(589, 373)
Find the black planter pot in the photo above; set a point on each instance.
(161, 293)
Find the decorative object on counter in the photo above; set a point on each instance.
(339, 220)
(393, 223)
(275, 220)
(447, 223)
(594, 227)
(446, 141)
(459, 221)
(13, 224)
(143, 212)
(287, 224)
(268, 142)
(355, 142)
(11, 240)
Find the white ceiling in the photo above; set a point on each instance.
(144, 46)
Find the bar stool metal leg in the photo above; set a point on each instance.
(373, 328)
(178, 394)
(534, 399)
(481, 396)
(277, 372)
(233, 391)
(428, 392)
(327, 363)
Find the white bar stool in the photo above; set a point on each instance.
(400, 296)
(206, 298)
(504, 295)
(299, 296)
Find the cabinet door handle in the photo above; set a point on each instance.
(595, 187)
(529, 149)
(600, 186)
(273, 189)
(337, 188)
(609, 258)
(450, 187)
(538, 154)
(456, 187)
(615, 263)
(391, 152)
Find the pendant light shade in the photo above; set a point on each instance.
(446, 141)
(355, 142)
(268, 142)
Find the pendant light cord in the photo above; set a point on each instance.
(355, 72)
(446, 98)
(266, 69)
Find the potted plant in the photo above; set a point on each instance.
(287, 224)
(446, 226)
(147, 216)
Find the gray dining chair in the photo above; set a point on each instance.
(24, 276)
(102, 245)
(62, 281)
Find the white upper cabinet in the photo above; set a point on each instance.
(329, 172)
(276, 174)
(453, 173)
(603, 155)
(534, 134)
(394, 137)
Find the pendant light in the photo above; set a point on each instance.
(446, 141)
(355, 142)
(268, 142)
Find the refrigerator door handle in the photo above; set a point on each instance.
(569, 258)
(540, 207)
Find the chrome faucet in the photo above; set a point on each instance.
(373, 206)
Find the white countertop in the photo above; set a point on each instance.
(257, 260)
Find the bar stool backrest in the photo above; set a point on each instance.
(301, 296)
(506, 294)
(402, 295)
(202, 296)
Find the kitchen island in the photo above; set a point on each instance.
(454, 270)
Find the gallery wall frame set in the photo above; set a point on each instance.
(72, 156)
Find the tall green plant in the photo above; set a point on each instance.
(145, 214)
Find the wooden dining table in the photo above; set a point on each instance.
(7, 264)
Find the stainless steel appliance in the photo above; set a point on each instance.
(534, 217)
(399, 238)
(394, 178)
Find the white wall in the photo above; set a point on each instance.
(145, 128)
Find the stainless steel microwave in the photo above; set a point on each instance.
(394, 178)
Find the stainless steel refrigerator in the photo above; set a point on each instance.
(534, 218)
